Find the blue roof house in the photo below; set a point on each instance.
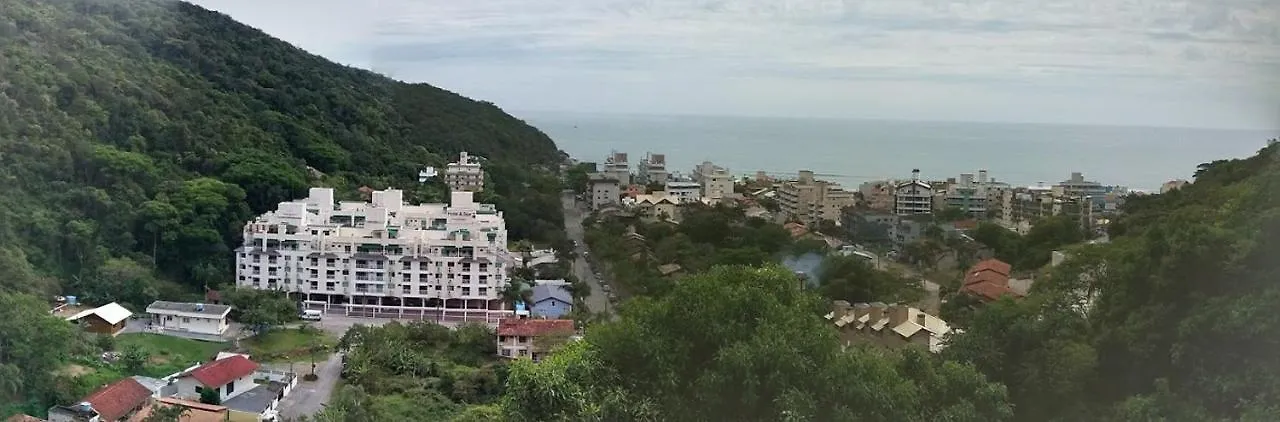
(551, 301)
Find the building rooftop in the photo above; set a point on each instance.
(222, 371)
(161, 306)
(116, 399)
(543, 292)
(196, 411)
(534, 327)
(257, 399)
(112, 313)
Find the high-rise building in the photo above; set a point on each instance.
(465, 175)
(913, 197)
(408, 260)
(617, 168)
(716, 181)
(653, 169)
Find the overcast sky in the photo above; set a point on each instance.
(1203, 63)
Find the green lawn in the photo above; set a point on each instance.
(288, 344)
(169, 354)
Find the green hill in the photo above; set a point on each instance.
(141, 134)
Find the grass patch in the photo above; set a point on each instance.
(167, 354)
(292, 344)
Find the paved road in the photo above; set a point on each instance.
(598, 301)
(310, 396)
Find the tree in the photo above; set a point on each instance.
(133, 358)
(761, 352)
(161, 413)
(261, 310)
(210, 396)
(853, 279)
(33, 344)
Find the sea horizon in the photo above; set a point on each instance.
(851, 151)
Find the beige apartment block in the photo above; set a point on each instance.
(810, 201)
(465, 175)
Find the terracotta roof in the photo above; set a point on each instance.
(23, 418)
(196, 411)
(965, 224)
(117, 399)
(986, 277)
(993, 264)
(222, 371)
(534, 327)
(988, 290)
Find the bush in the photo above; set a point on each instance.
(310, 377)
(105, 342)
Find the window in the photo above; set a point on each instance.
(231, 387)
(186, 320)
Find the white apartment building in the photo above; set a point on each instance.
(913, 196)
(716, 181)
(617, 168)
(465, 175)
(653, 169)
(382, 253)
(684, 192)
(605, 190)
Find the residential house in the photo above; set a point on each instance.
(684, 192)
(465, 175)
(524, 337)
(229, 376)
(716, 182)
(888, 325)
(653, 169)
(551, 301)
(811, 201)
(616, 167)
(606, 190)
(198, 318)
(988, 281)
(670, 270)
(657, 206)
(913, 197)
(107, 319)
(123, 400)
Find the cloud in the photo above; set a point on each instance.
(999, 51)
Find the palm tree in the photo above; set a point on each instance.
(516, 291)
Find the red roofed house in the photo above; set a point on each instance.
(124, 400)
(229, 376)
(516, 335)
(988, 280)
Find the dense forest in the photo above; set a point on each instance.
(136, 137)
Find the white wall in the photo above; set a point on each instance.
(194, 324)
(187, 388)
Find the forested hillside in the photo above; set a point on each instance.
(141, 134)
(1177, 319)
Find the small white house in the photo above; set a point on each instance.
(198, 318)
(230, 376)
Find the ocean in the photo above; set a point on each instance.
(851, 152)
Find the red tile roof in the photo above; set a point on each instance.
(989, 280)
(222, 371)
(534, 327)
(988, 291)
(117, 399)
(1000, 267)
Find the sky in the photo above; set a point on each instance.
(1198, 63)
